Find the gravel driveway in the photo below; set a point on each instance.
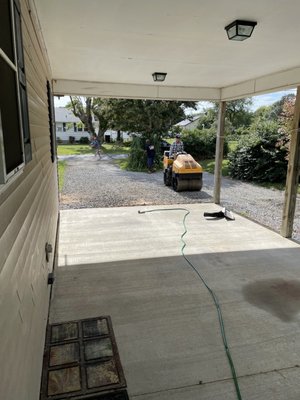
(90, 182)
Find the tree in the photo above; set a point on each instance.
(86, 108)
(99, 108)
(264, 113)
(260, 156)
(278, 106)
(287, 114)
(146, 117)
(83, 110)
(238, 112)
(208, 118)
(238, 115)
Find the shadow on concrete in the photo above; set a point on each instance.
(280, 297)
(167, 327)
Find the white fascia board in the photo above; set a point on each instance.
(189, 93)
(269, 83)
(132, 91)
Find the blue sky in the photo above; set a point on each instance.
(258, 101)
(270, 98)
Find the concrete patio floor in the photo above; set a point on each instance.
(128, 265)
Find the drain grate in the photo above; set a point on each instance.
(81, 361)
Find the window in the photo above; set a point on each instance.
(15, 146)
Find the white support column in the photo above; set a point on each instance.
(292, 177)
(219, 152)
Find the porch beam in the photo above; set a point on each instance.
(133, 91)
(282, 80)
(219, 152)
(292, 174)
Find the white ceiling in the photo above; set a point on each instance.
(112, 47)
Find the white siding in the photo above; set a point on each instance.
(28, 215)
(64, 135)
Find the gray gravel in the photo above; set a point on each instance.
(92, 183)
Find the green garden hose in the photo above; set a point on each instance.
(212, 293)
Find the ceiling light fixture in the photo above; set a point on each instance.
(240, 30)
(159, 76)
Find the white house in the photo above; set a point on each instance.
(68, 125)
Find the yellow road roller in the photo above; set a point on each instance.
(182, 172)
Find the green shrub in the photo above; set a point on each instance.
(137, 159)
(71, 139)
(127, 143)
(201, 143)
(260, 156)
(84, 140)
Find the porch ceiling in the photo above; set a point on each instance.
(111, 48)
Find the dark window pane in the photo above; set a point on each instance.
(10, 117)
(19, 42)
(25, 122)
(22, 84)
(6, 41)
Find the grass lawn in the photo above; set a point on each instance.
(79, 149)
(73, 149)
(121, 163)
(61, 166)
(113, 148)
(209, 166)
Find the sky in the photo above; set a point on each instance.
(258, 101)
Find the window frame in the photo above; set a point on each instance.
(51, 116)
(18, 68)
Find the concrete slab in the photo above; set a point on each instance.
(128, 265)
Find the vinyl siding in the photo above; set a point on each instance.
(28, 219)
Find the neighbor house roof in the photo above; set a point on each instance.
(188, 121)
(62, 114)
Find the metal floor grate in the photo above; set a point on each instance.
(81, 361)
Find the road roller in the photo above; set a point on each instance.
(182, 172)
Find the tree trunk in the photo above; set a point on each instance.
(100, 135)
(85, 115)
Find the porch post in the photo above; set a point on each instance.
(292, 174)
(219, 152)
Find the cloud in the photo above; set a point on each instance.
(268, 99)
(258, 101)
